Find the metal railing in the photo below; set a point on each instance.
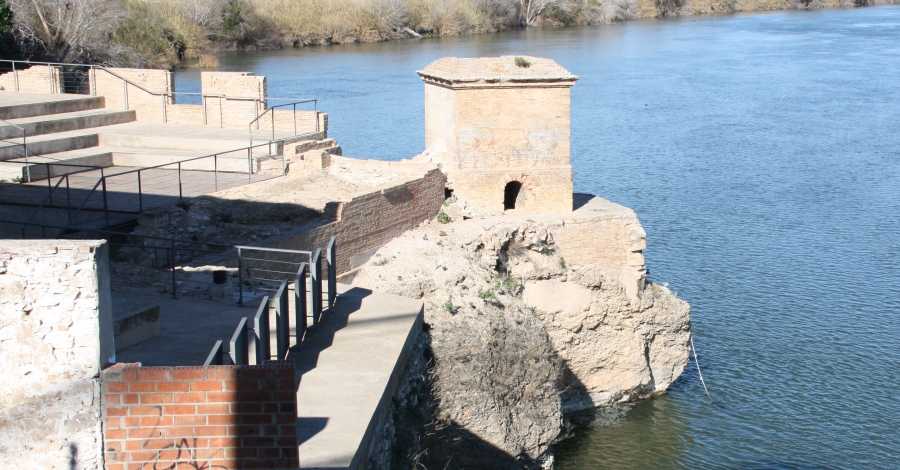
(250, 342)
(135, 260)
(271, 112)
(81, 79)
(131, 191)
(77, 79)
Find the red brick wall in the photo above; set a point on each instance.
(218, 417)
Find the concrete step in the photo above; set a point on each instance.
(64, 122)
(20, 105)
(199, 143)
(51, 143)
(55, 164)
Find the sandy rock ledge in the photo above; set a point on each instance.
(528, 319)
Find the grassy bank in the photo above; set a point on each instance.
(170, 32)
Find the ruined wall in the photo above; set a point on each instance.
(368, 222)
(221, 417)
(55, 335)
(41, 79)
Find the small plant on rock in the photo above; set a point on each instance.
(487, 295)
(443, 218)
(450, 308)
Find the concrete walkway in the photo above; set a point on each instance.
(188, 327)
(349, 366)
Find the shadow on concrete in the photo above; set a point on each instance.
(580, 199)
(320, 337)
(83, 206)
(309, 427)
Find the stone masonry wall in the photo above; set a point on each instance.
(486, 137)
(42, 79)
(368, 222)
(118, 94)
(248, 91)
(218, 417)
(55, 335)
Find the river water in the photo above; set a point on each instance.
(762, 153)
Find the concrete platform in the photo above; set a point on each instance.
(188, 328)
(350, 365)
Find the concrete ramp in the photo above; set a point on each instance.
(350, 366)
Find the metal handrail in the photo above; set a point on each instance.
(161, 243)
(162, 94)
(293, 105)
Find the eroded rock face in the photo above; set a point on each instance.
(529, 318)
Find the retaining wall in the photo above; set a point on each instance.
(366, 223)
(221, 417)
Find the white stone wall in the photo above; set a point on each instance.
(55, 336)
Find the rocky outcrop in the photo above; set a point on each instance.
(528, 318)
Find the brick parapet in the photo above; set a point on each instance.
(221, 417)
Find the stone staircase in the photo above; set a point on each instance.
(80, 130)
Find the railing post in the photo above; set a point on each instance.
(216, 170)
(172, 268)
(203, 104)
(300, 301)
(331, 260)
(295, 118)
(165, 116)
(25, 152)
(49, 186)
(140, 193)
(249, 165)
(316, 113)
(240, 278)
(237, 344)
(125, 93)
(50, 77)
(221, 119)
(282, 321)
(105, 199)
(315, 273)
(214, 358)
(68, 202)
(15, 75)
(261, 332)
(179, 182)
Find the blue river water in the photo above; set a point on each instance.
(762, 154)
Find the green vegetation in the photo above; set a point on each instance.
(169, 32)
(6, 18)
(450, 308)
(487, 295)
(443, 218)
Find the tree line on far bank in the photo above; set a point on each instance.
(165, 33)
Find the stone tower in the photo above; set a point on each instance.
(499, 127)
